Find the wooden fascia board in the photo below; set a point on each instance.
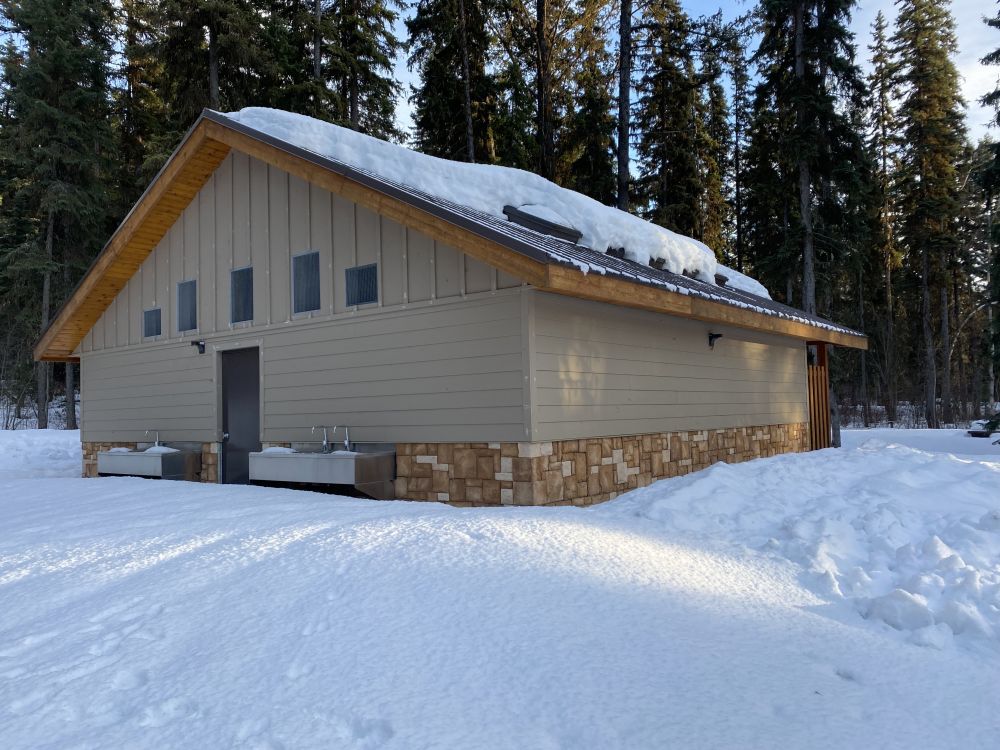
(592, 286)
(437, 228)
(166, 198)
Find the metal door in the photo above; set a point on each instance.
(240, 413)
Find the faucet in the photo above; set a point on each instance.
(326, 441)
(157, 433)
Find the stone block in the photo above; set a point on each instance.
(439, 481)
(606, 477)
(529, 493)
(484, 467)
(554, 485)
(593, 453)
(464, 464)
(491, 491)
(526, 469)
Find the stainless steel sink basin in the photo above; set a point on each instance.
(174, 465)
(371, 473)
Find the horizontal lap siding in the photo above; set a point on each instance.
(169, 388)
(450, 372)
(602, 370)
(445, 373)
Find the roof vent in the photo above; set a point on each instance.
(616, 252)
(720, 279)
(657, 263)
(539, 224)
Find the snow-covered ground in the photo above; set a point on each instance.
(837, 599)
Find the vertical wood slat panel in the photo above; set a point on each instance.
(819, 406)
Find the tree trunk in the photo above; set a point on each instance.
(470, 145)
(805, 193)
(546, 144)
(930, 371)
(947, 414)
(43, 368)
(318, 41)
(70, 372)
(866, 416)
(624, 101)
(213, 69)
(70, 396)
(891, 398)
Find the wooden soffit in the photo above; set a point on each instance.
(207, 145)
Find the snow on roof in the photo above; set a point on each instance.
(489, 188)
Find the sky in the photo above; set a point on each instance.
(975, 39)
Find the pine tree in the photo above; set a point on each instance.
(55, 144)
(806, 54)
(623, 146)
(294, 32)
(669, 186)
(883, 145)
(714, 140)
(740, 105)
(933, 132)
(991, 183)
(588, 147)
(208, 58)
(513, 132)
(449, 46)
(139, 111)
(364, 49)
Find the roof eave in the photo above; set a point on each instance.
(60, 339)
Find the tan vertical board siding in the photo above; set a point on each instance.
(506, 281)
(392, 266)
(248, 195)
(280, 257)
(603, 370)
(209, 285)
(321, 239)
(344, 250)
(450, 372)
(367, 237)
(478, 276)
(166, 387)
(223, 221)
(121, 317)
(419, 266)
(447, 271)
(259, 255)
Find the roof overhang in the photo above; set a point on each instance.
(213, 136)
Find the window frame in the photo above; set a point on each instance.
(319, 285)
(180, 284)
(232, 298)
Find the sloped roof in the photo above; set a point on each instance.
(549, 263)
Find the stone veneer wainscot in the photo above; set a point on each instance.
(576, 472)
